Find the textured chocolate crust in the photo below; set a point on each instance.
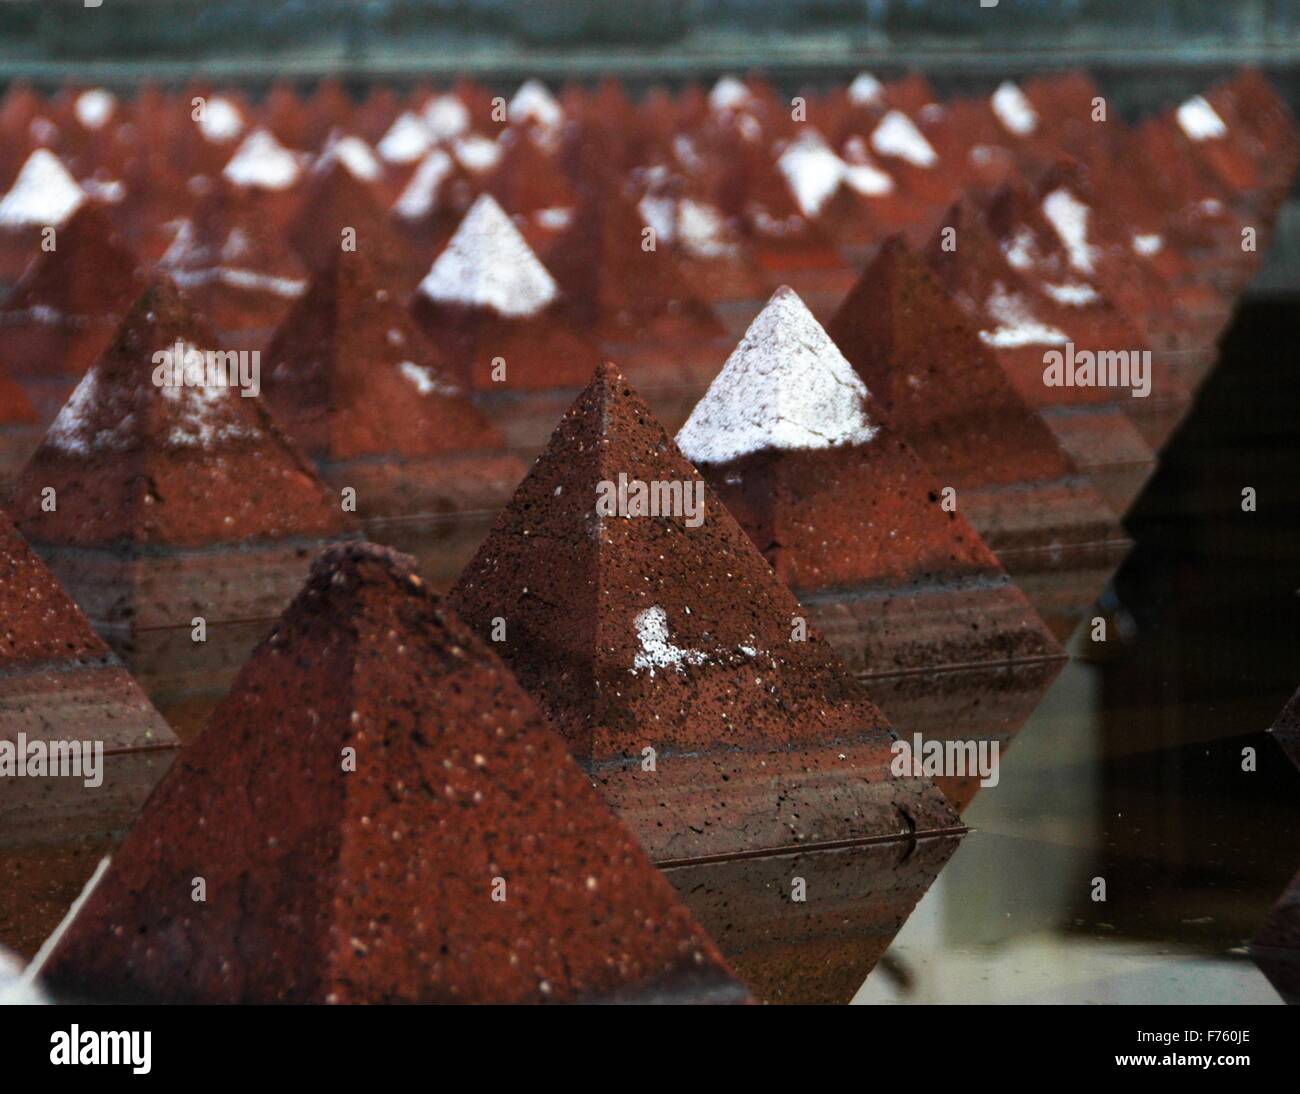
(457, 782)
(746, 707)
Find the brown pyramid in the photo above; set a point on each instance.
(530, 186)
(924, 363)
(380, 814)
(171, 499)
(671, 657)
(351, 378)
(845, 511)
(1286, 730)
(64, 309)
(1276, 946)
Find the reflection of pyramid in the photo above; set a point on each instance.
(354, 382)
(148, 479)
(372, 756)
(1276, 948)
(844, 510)
(1286, 730)
(669, 635)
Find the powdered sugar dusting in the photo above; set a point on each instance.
(865, 90)
(72, 430)
(488, 264)
(477, 154)
(421, 193)
(1072, 295)
(897, 135)
(407, 139)
(43, 194)
(1199, 121)
(201, 416)
(262, 161)
(94, 108)
(812, 171)
(1013, 110)
(657, 650)
(1069, 216)
(533, 102)
(221, 120)
(786, 386)
(1147, 244)
(354, 154)
(446, 116)
(425, 380)
(728, 93)
(1017, 325)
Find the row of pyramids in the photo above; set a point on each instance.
(627, 633)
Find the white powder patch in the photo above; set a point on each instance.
(488, 264)
(15, 988)
(1013, 110)
(221, 120)
(355, 155)
(812, 171)
(446, 117)
(72, 431)
(262, 161)
(786, 386)
(1017, 325)
(703, 230)
(687, 154)
(420, 195)
(554, 219)
(109, 191)
(728, 93)
(201, 415)
(43, 194)
(255, 281)
(533, 102)
(1199, 121)
(1148, 244)
(897, 135)
(426, 381)
(749, 128)
(1020, 249)
(656, 647)
(868, 180)
(865, 90)
(184, 249)
(43, 131)
(406, 141)
(1073, 296)
(94, 108)
(660, 213)
(1069, 216)
(477, 154)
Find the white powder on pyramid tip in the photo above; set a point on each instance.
(420, 195)
(868, 180)
(446, 117)
(94, 108)
(812, 171)
(728, 93)
(897, 135)
(1199, 121)
(655, 646)
(42, 195)
(1148, 244)
(425, 380)
(533, 102)
(203, 416)
(406, 141)
(1013, 110)
(1017, 325)
(488, 264)
(220, 120)
(1072, 295)
(354, 154)
(1020, 249)
(786, 386)
(554, 219)
(865, 90)
(1069, 216)
(477, 154)
(703, 230)
(109, 191)
(262, 161)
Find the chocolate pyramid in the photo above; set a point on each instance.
(670, 633)
(1276, 946)
(529, 185)
(58, 681)
(845, 511)
(172, 499)
(1286, 730)
(67, 304)
(44, 194)
(1089, 422)
(376, 884)
(354, 382)
(942, 388)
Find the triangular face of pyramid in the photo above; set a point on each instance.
(841, 506)
(528, 182)
(435, 843)
(43, 195)
(349, 374)
(1276, 946)
(1286, 730)
(153, 448)
(941, 386)
(488, 302)
(617, 287)
(646, 625)
(262, 162)
(335, 200)
(90, 273)
(58, 681)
